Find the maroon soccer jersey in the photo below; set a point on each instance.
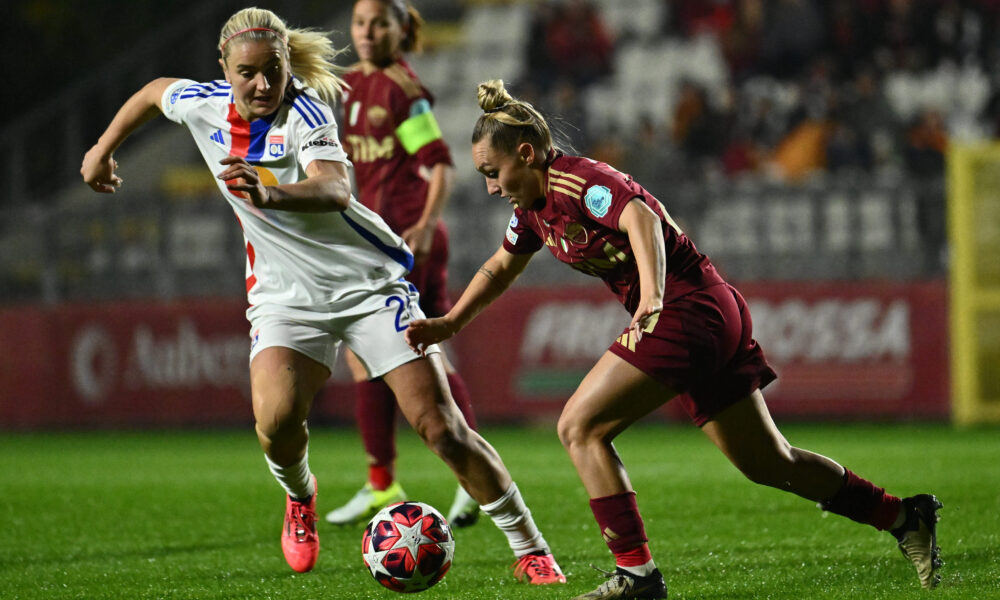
(386, 114)
(579, 223)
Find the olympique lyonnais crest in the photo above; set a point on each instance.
(276, 145)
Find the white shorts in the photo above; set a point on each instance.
(372, 328)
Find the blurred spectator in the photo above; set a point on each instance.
(956, 32)
(567, 109)
(865, 111)
(741, 43)
(802, 152)
(926, 143)
(694, 17)
(902, 35)
(793, 33)
(847, 148)
(579, 44)
(608, 146)
(539, 65)
(853, 33)
(652, 158)
(697, 127)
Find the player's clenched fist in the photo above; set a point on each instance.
(98, 170)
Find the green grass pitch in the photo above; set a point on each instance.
(196, 515)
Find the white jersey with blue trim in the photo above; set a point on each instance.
(293, 258)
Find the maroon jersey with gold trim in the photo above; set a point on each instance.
(579, 223)
(391, 181)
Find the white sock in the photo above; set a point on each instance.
(513, 518)
(641, 570)
(296, 478)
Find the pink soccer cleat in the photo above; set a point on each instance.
(299, 540)
(538, 569)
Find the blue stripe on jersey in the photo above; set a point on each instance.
(306, 107)
(397, 254)
(209, 85)
(310, 105)
(304, 116)
(204, 94)
(258, 137)
(206, 90)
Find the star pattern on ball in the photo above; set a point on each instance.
(418, 581)
(374, 558)
(412, 537)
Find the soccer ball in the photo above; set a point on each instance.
(408, 546)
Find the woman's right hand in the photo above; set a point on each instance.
(422, 333)
(98, 170)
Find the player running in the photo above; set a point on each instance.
(322, 270)
(690, 337)
(404, 172)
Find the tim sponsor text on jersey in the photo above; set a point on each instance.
(366, 148)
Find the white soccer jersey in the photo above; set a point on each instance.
(293, 259)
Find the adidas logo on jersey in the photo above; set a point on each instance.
(217, 137)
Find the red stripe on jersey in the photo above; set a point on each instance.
(251, 254)
(251, 258)
(239, 129)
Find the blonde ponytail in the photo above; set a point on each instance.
(310, 53)
(508, 122)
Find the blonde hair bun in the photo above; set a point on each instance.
(493, 95)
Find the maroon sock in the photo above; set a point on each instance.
(375, 409)
(461, 395)
(380, 476)
(622, 528)
(862, 501)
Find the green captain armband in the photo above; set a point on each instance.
(420, 129)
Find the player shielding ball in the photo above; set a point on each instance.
(404, 171)
(690, 338)
(322, 270)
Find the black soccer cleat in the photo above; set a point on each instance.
(917, 537)
(625, 586)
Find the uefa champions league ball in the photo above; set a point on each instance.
(408, 546)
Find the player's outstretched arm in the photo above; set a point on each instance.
(98, 168)
(492, 279)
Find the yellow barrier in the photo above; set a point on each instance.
(974, 238)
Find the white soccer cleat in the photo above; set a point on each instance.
(464, 511)
(365, 503)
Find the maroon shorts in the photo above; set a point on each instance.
(431, 276)
(701, 346)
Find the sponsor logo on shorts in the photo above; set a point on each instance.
(256, 338)
(598, 200)
(174, 96)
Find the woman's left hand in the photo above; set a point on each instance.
(642, 316)
(241, 176)
(419, 238)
